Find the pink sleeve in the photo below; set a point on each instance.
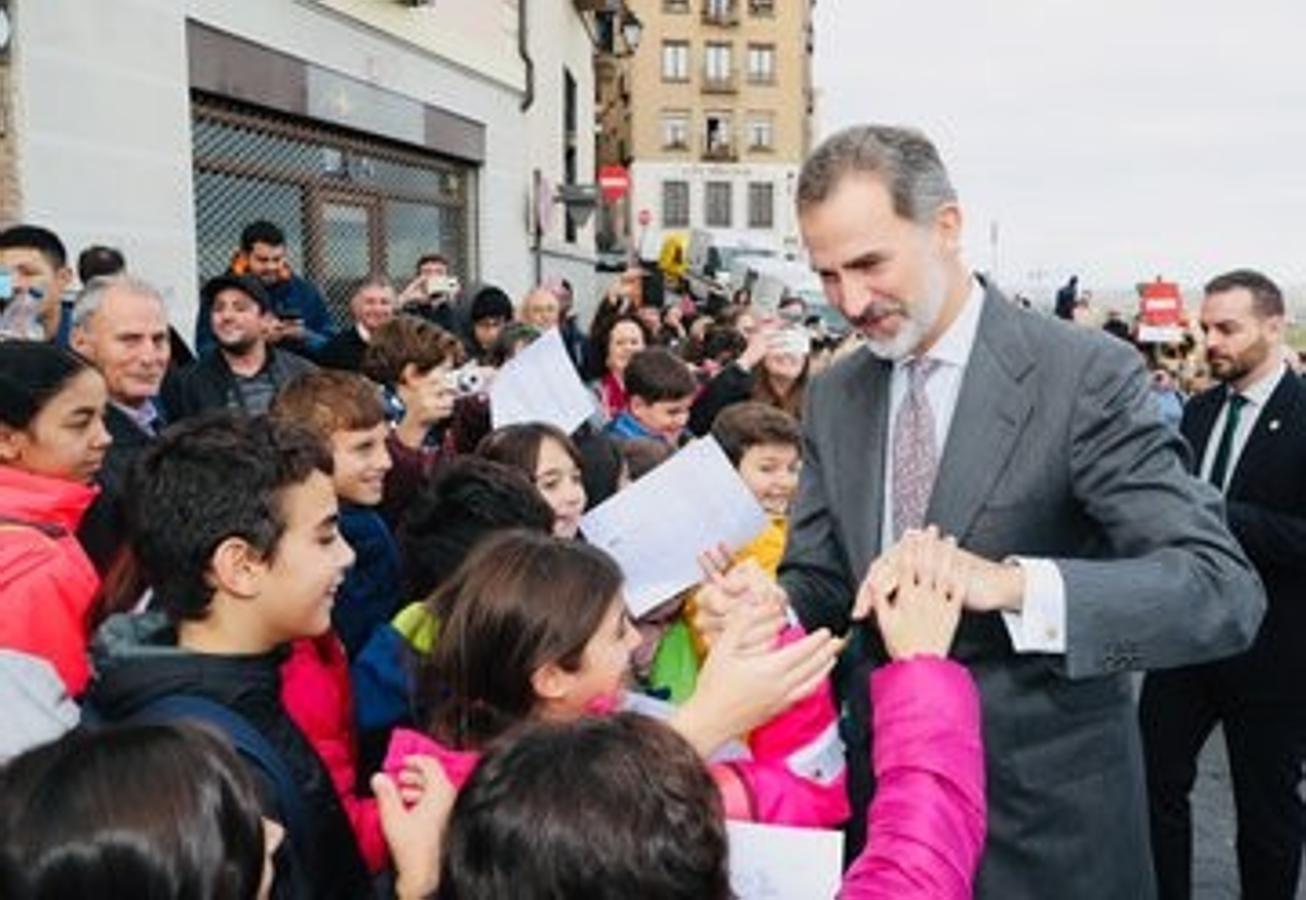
(927, 821)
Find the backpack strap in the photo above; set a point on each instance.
(247, 740)
(49, 529)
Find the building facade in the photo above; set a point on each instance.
(720, 97)
(372, 131)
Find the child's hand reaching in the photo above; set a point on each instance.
(746, 679)
(921, 613)
(414, 813)
(727, 586)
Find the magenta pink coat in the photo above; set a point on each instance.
(927, 821)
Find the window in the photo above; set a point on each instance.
(350, 205)
(717, 137)
(761, 7)
(716, 64)
(675, 60)
(720, 11)
(761, 204)
(675, 130)
(675, 204)
(761, 63)
(761, 132)
(675, 6)
(717, 212)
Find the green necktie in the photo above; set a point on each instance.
(1219, 469)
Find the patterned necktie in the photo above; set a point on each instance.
(915, 458)
(1224, 450)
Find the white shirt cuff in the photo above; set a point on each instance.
(1040, 626)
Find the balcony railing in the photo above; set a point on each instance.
(717, 83)
(720, 153)
(717, 13)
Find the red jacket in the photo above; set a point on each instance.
(315, 692)
(48, 586)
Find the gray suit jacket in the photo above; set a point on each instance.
(1056, 450)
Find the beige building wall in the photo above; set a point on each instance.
(784, 100)
(734, 95)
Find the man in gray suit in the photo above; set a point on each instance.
(1086, 548)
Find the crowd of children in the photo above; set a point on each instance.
(389, 612)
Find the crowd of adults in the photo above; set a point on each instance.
(285, 616)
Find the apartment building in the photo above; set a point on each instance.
(720, 99)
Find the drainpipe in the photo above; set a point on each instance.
(527, 100)
(523, 50)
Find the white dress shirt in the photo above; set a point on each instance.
(1040, 626)
(1257, 395)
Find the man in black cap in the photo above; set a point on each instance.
(242, 371)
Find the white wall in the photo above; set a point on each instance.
(103, 133)
(103, 119)
(558, 39)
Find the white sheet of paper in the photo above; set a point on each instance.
(657, 527)
(773, 862)
(540, 384)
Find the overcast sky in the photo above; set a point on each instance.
(1115, 139)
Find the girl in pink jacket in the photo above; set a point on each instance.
(52, 442)
(533, 627)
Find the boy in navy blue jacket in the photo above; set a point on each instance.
(346, 412)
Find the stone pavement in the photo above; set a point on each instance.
(1215, 874)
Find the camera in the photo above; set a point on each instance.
(468, 380)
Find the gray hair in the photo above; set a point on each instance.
(903, 158)
(371, 281)
(96, 290)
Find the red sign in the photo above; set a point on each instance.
(645, 217)
(1160, 303)
(614, 182)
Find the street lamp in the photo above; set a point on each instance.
(632, 29)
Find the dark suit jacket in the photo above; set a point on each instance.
(1056, 450)
(209, 384)
(1266, 503)
(104, 528)
(344, 351)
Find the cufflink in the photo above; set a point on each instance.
(1274, 424)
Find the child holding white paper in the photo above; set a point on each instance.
(764, 444)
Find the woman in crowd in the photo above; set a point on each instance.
(52, 442)
(614, 341)
(773, 369)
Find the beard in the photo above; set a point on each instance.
(1234, 367)
(918, 318)
(240, 346)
